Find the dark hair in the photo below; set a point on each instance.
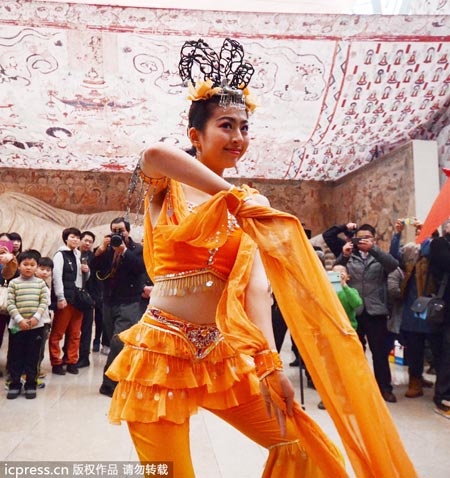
(201, 111)
(29, 254)
(118, 220)
(68, 231)
(15, 236)
(88, 233)
(367, 227)
(46, 262)
(335, 264)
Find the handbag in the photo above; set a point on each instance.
(3, 300)
(431, 308)
(83, 300)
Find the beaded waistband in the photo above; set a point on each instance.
(202, 338)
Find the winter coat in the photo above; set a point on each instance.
(369, 277)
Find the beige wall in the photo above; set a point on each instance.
(426, 178)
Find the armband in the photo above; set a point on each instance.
(267, 362)
(164, 180)
(144, 186)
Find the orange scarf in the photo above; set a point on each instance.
(316, 319)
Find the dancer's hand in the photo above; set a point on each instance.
(281, 385)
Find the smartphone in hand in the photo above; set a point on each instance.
(7, 244)
(335, 279)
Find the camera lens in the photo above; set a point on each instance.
(116, 240)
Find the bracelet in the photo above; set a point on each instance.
(267, 362)
(235, 198)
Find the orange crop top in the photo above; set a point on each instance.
(180, 268)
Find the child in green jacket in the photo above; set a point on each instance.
(349, 297)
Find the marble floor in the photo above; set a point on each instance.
(67, 422)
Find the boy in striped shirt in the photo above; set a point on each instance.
(27, 302)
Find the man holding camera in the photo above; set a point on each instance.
(368, 267)
(119, 265)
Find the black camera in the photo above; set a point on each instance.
(355, 240)
(116, 238)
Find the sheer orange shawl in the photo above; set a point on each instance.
(318, 323)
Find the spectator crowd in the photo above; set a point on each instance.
(77, 301)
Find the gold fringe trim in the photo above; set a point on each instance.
(190, 282)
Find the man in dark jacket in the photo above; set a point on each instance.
(368, 267)
(119, 264)
(440, 268)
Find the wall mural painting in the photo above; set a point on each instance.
(86, 87)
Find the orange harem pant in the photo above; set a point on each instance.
(67, 320)
(168, 369)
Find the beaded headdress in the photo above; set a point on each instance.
(208, 74)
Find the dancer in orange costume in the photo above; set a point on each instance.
(206, 339)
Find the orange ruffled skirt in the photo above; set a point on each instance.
(169, 367)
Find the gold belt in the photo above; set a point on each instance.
(201, 338)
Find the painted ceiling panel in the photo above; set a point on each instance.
(88, 87)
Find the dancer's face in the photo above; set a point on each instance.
(224, 139)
